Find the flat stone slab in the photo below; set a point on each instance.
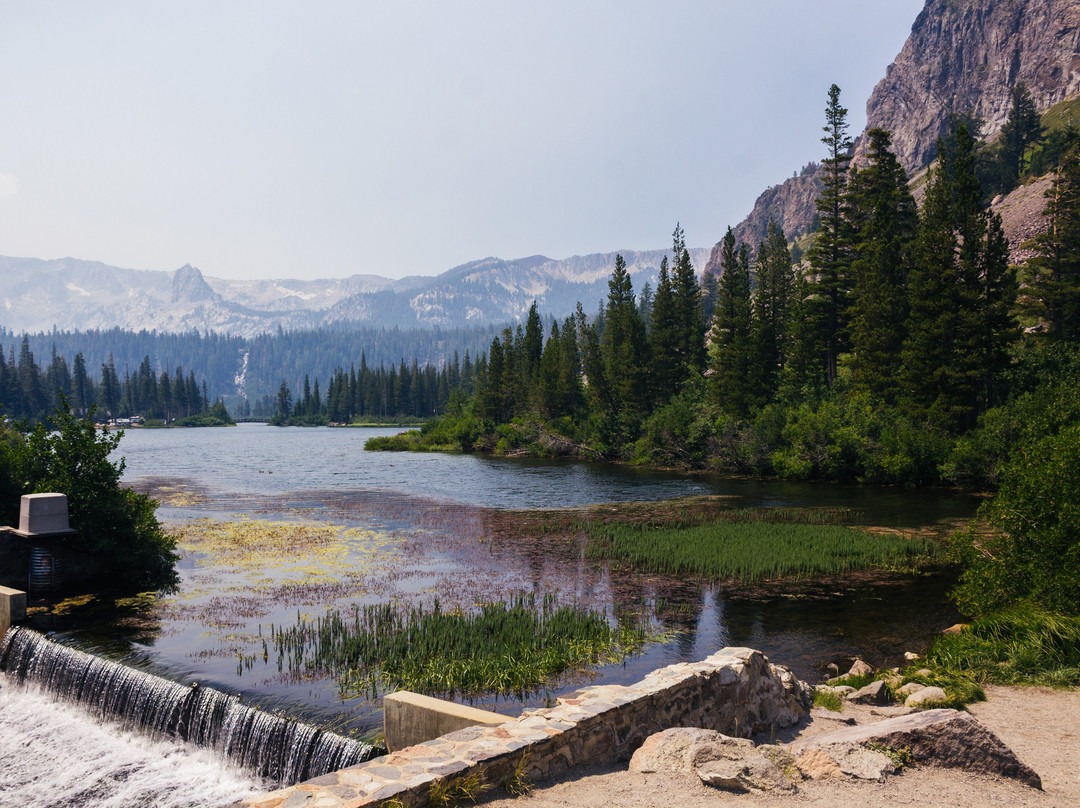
(947, 738)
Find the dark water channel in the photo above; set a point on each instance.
(413, 527)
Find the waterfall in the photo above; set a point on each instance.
(277, 749)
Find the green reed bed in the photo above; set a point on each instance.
(753, 547)
(508, 647)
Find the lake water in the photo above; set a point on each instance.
(413, 527)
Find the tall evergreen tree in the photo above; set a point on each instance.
(81, 392)
(732, 365)
(960, 295)
(690, 313)
(830, 257)
(532, 347)
(663, 334)
(1055, 288)
(885, 221)
(624, 356)
(1022, 130)
(772, 311)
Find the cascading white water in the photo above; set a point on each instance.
(279, 750)
(53, 755)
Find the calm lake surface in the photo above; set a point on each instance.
(414, 527)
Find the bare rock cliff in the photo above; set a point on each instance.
(966, 56)
(962, 56)
(790, 204)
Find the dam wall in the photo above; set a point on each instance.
(735, 691)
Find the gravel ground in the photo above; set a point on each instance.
(1041, 726)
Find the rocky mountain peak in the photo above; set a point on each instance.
(189, 286)
(963, 56)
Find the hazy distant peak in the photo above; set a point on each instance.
(189, 286)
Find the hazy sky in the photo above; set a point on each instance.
(291, 140)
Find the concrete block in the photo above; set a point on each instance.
(12, 607)
(43, 513)
(410, 718)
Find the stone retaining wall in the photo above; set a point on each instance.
(735, 691)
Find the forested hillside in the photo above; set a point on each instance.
(888, 353)
(112, 368)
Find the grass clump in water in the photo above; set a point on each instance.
(508, 647)
(756, 548)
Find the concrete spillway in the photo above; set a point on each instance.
(275, 749)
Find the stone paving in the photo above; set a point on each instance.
(735, 691)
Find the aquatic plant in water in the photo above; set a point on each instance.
(515, 646)
(751, 549)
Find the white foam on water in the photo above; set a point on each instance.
(57, 755)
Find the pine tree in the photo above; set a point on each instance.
(732, 378)
(532, 347)
(1022, 130)
(624, 357)
(663, 334)
(81, 393)
(771, 311)
(1055, 289)
(690, 313)
(830, 257)
(885, 221)
(961, 292)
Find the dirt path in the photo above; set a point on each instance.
(1041, 726)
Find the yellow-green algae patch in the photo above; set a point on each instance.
(313, 549)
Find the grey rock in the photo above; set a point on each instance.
(859, 762)
(733, 764)
(860, 668)
(926, 695)
(909, 688)
(672, 750)
(946, 738)
(873, 693)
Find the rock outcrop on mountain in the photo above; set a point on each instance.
(963, 56)
(791, 204)
(189, 286)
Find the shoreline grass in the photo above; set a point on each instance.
(1024, 645)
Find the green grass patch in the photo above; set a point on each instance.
(510, 647)
(1025, 645)
(756, 548)
(830, 701)
(402, 442)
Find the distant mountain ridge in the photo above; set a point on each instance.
(69, 294)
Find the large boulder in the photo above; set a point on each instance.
(874, 693)
(926, 695)
(947, 738)
(732, 764)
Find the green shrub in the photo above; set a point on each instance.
(1033, 550)
(117, 525)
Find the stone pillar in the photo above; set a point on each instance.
(43, 523)
(12, 607)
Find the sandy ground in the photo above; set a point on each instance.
(1041, 726)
